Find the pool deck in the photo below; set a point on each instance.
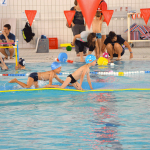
(31, 56)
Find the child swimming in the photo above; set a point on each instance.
(21, 64)
(80, 73)
(35, 76)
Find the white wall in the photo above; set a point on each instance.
(51, 21)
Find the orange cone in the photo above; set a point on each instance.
(145, 14)
(89, 8)
(30, 15)
(107, 15)
(69, 16)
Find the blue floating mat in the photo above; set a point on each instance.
(63, 57)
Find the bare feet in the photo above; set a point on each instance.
(11, 58)
(111, 58)
(78, 55)
(118, 59)
(13, 80)
(5, 58)
(85, 54)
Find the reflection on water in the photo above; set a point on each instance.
(107, 121)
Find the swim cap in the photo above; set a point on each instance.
(55, 65)
(102, 61)
(22, 62)
(105, 55)
(90, 59)
(3, 60)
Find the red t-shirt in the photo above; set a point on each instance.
(102, 6)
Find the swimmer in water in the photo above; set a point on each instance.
(48, 75)
(79, 74)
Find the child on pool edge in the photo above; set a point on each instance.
(35, 76)
(80, 73)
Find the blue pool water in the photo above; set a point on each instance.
(69, 120)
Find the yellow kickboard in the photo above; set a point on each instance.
(65, 45)
(96, 90)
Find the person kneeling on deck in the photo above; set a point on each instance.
(7, 37)
(114, 44)
(48, 75)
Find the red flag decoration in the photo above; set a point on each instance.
(107, 15)
(134, 16)
(69, 16)
(89, 8)
(145, 14)
(30, 15)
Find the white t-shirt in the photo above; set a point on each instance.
(84, 35)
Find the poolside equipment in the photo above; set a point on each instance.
(27, 33)
(146, 14)
(89, 8)
(74, 90)
(90, 59)
(102, 61)
(43, 46)
(69, 14)
(16, 49)
(62, 57)
(67, 46)
(55, 65)
(53, 43)
(69, 61)
(105, 55)
(30, 15)
(104, 73)
(107, 15)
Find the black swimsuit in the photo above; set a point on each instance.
(34, 75)
(72, 78)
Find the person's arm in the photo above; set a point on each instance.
(82, 77)
(8, 41)
(58, 79)
(130, 50)
(74, 39)
(50, 80)
(89, 80)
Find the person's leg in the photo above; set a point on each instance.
(35, 83)
(11, 50)
(2, 50)
(110, 50)
(83, 28)
(76, 31)
(118, 50)
(77, 86)
(91, 49)
(103, 33)
(99, 52)
(28, 85)
(66, 82)
(81, 47)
